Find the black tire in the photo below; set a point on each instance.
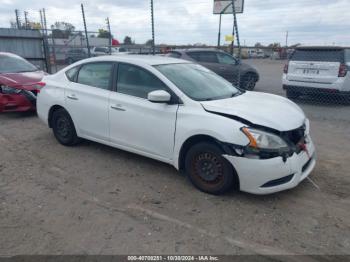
(292, 94)
(63, 128)
(208, 170)
(248, 81)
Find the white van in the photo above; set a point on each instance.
(313, 70)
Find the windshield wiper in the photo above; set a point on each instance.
(236, 94)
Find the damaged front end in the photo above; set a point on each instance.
(266, 143)
(19, 98)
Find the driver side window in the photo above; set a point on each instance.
(135, 81)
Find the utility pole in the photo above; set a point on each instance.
(219, 34)
(26, 20)
(86, 33)
(41, 21)
(44, 19)
(235, 28)
(110, 36)
(287, 35)
(18, 20)
(153, 35)
(46, 41)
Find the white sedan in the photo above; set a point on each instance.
(182, 114)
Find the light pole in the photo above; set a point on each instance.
(86, 33)
(219, 34)
(110, 36)
(153, 36)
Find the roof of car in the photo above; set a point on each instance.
(197, 50)
(8, 54)
(138, 59)
(320, 48)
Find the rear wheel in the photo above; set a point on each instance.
(248, 82)
(292, 94)
(208, 170)
(63, 128)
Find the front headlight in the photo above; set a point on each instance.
(263, 140)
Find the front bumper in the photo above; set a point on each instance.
(314, 91)
(16, 103)
(266, 176)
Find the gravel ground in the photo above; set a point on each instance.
(93, 199)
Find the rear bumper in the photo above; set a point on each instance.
(315, 90)
(268, 176)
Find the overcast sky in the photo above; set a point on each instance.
(192, 21)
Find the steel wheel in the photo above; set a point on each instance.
(63, 128)
(249, 82)
(208, 170)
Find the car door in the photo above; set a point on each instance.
(136, 123)
(228, 68)
(87, 99)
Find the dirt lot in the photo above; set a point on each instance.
(93, 199)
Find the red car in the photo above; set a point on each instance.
(19, 83)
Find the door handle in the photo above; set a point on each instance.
(118, 107)
(72, 97)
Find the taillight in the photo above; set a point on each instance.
(343, 70)
(38, 86)
(285, 69)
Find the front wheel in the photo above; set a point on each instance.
(63, 128)
(208, 170)
(248, 82)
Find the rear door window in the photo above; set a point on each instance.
(71, 73)
(205, 57)
(318, 55)
(96, 75)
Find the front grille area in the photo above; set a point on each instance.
(278, 182)
(295, 136)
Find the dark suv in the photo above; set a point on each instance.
(221, 63)
(76, 54)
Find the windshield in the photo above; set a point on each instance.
(15, 64)
(318, 55)
(197, 82)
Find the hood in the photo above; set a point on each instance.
(261, 109)
(21, 79)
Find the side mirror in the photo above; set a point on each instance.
(159, 96)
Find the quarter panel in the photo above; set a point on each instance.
(52, 94)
